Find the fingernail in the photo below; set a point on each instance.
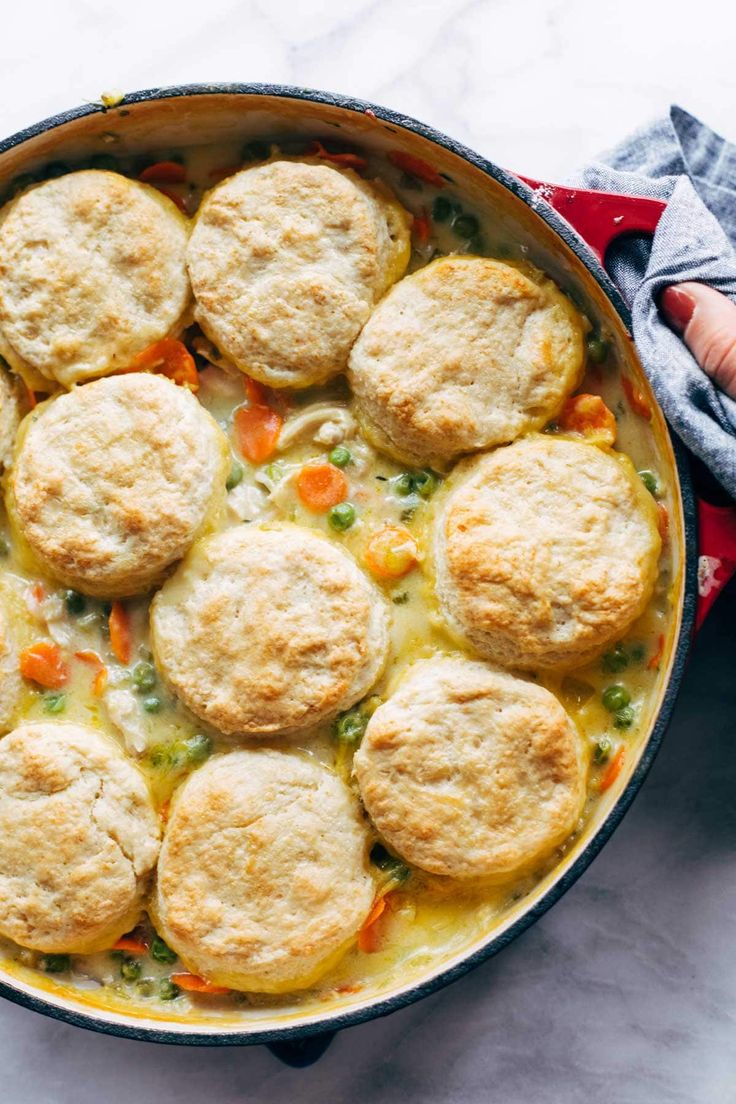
(677, 306)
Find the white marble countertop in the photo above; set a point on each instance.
(626, 991)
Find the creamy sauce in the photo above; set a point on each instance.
(428, 919)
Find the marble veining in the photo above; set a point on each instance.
(626, 991)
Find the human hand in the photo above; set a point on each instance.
(706, 320)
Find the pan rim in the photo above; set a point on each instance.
(385, 1005)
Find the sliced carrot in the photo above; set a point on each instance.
(613, 770)
(368, 936)
(656, 657)
(192, 983)
(321, 486)
(121, 637)
(132, 944)
(38, 590)
(257, 429)
(637, 402)
(30, 396)
(349, 160)
(173, 196)
(663, 521)
(589, 416)
(421, 227)
(99, 682)
(257, 393)
(171, 358)
(391, 552)
(414, 166)
(164, 172)
(43, 663)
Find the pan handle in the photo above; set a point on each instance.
(716, 553)
(300, 1053)
(600, 217)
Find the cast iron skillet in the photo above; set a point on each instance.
(172, 116)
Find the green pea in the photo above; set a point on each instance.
(180, 754)
(602, 749)
(425, 483)
(130, 969)
(441, 209)
(350, 726)
(340, 456)
(152, 704)
(144, 675)
(236, 474)
(146, 987)
(649, 480)
(341, 517)
(54, 703)
(56, 963)
(198, 748)
(167, 990)
(161, 951)
(616, 660)
(466, 226)
(404, 483)
(256, 151)
(597, 349)
(104, 161)
(389, 864)
(624, 717)
(615, 697)
(75, 602)
(637, 653)
(159, 756)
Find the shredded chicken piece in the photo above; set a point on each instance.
(50, 612)
(246, 502)
(328, 423)
(124, 711)
(215, 383)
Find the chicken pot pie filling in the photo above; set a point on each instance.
(308, 458)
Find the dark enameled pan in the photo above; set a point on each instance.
(567, 233)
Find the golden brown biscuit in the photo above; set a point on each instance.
(465, 354)
(113, 482)
(92, 270)
(286, 260)
(282, 630)
(545, 552)
(470, 772)
(263, 878)
(78, 837)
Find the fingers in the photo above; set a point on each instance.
(707, 321)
